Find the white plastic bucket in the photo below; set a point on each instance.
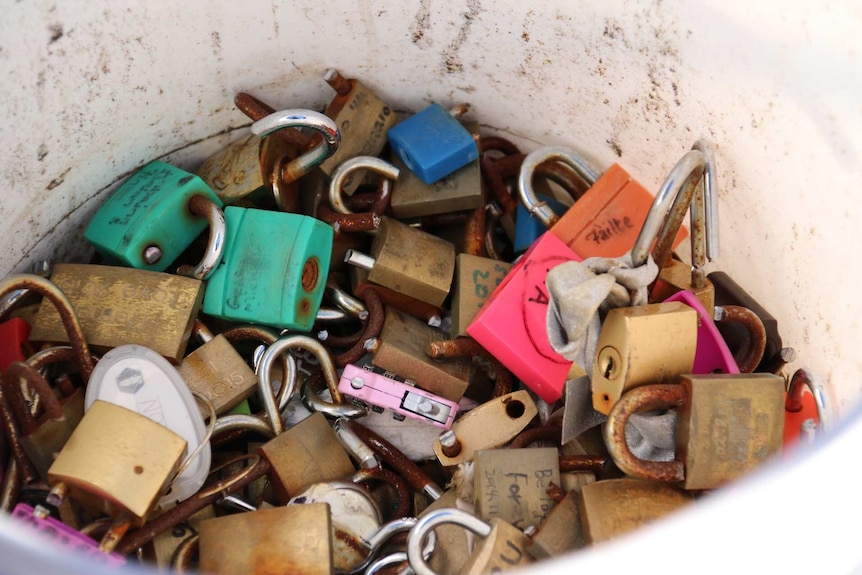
(94, 90)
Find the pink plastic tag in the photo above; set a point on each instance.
(512, 322)
(712, 353)
(64, 536)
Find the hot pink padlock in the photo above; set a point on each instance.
(512, 324)
(712, 354)
(63, 536)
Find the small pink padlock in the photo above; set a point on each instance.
(712, 354)
(512, 322)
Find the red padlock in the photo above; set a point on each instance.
(805, 414)
(13, 342)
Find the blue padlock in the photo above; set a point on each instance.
(528, 227)
(273, 271)
(433, 143)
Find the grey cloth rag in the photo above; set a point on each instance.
(578, 293)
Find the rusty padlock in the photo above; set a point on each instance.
(727, 424)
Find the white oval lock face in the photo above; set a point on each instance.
(139, 379)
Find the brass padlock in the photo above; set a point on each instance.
(161, 551)
(503, 547)
(217, 371)
(615, 506)
(475, 281)
(359, 283)
(401, 348)
(487, 426)
(307, 453)
(118, 461)
(42, 440)
(394, 263)
(727, 424)
(512, 484)
(453, 546)
(289, 539)
(117, 306)
(460, 190)
(652, 343)
(561, 531)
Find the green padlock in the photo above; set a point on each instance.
(273, 271)
(154, 216)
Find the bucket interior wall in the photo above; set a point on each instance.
(91, 91)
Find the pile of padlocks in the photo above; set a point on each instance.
(384, 327)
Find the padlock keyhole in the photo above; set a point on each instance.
(608, 366)
(515, 409)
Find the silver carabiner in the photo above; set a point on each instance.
(539, 209)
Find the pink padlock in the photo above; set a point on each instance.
(63, 536)
(711, 354)
(512, 323)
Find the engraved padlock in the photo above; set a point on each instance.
(401, 348)
(727, 424)
(613, 507)
(292, 538)
(460, 190)
(273, 271)
(433, 143)
(118, 306)
(154, 216)
(118, 461)
(476, 278)
(638, 345)
(217, 371)
(393, 262)
(503, 546)
(675, 275)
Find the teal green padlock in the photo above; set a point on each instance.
(154, 216)
(273, 271)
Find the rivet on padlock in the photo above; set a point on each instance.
(289, 170)
(726, 425)
(119, 306)
(154, 216)
(503, 546)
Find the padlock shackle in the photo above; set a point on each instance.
(205, 208)
(796, 388)
(313, 402)
(11, 382)
(388, 171)
(266, 337)
(756, 333)
(644, 398)
(668, 210)
(345, 301)
(710, 199)
(525, 179)
(300, 118)
(433, 519)
(245, 422)
(68, 317)
(385, 533)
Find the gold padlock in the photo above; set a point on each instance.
(401, 348)
(652, 343)
(289, 539)
(118, 461)
(561, 531)
(307, 453)
(453, 548)
(460, 190)
(359, 283)
(117, 306)
(615, 506)
(164, 545)
(727, 424)
(503, 547)
(487, 426)
(217, 371)
(396, 263)
(512, 484)
(476, 278)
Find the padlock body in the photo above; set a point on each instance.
(273, 271)
(289, 539)
(403, 302)
(674, 277)
(616, 506)
(561, 531)
(307, 453)
(730, 424)
(503, 549)
(606, 220)
(476, 278)
(712, 354)
(412, 262)
(528, 228)
(642, 345)
(46, 441)
(151, 208)
(402, 349)
(14, 333)
(118, 461)
(219, 372)
(512, 323)
(118, 306)
(433, 143)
